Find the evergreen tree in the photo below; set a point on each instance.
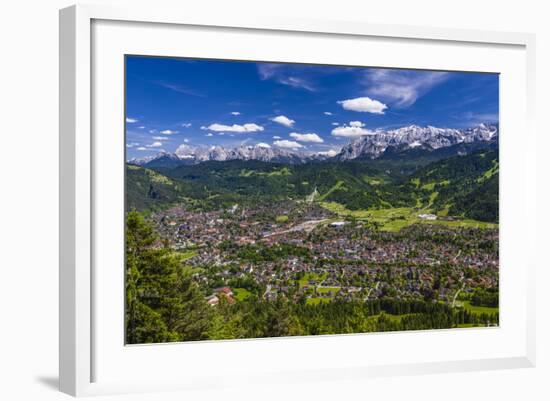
(162, 302)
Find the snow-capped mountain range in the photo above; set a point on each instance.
(187, 154)
(371, 146)
(414, 136)
(262, 152)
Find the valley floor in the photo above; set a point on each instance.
(405, 261)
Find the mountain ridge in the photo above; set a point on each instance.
(413, 136)
(463, 186)
(377, 145)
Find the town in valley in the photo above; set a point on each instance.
(280, 199)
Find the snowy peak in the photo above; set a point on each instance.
(372, 146)
(187, 154)
(414, 136)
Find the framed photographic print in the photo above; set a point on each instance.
(350, 197)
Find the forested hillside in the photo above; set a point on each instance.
(147, 190)
(463, 186)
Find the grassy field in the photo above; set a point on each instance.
(478, 309)
(331, 291)
(429, 187)
(394, 219)
(391, 219)
(317, 300)
(466, 223)
(241, 294)
(311, 276)
(284, 171)
(336, 186)
(186, 255)
(489, 173)
(327, 290)
(433, 195)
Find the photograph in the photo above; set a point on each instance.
(236, 200)
(274, 199)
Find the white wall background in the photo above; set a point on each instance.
(29, 186)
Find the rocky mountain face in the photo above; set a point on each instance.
(261, 152)
(369, 146)
(186, 154)
(414, 136)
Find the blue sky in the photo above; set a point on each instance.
(312, 108)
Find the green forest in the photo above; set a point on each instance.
(462, 186)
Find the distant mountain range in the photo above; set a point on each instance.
(381, 144)
(189, 155)
(415, 137)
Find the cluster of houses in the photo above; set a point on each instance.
(218, 293)
(347, 257)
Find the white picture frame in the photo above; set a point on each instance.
(79, 316)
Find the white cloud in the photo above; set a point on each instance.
(168, 132)
(210, 134)
(141, 127)
(131, 120)
(263, 145)
(276, 137)
(235, 113)
(335, 123)
(161, 138)
(186, 125)
(132, 145)
(400, 87)
(327, 113)
(153, 131)
(186, 140)
(283, 120)
(286, 75)
(157, 144)
(329, 153)
(149, 149)
(364, 105)
(311, 137)
(355, 129)
(179, 88)
(245, 128)
(245, 141)
(470, 118)
(285, 143)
